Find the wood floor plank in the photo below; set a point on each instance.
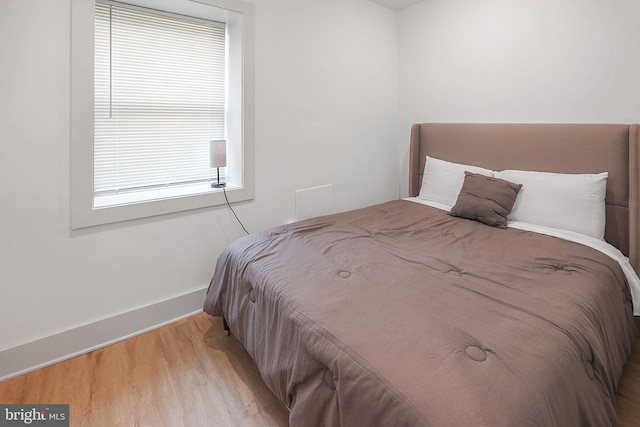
(185, 374)
(635, 353)
(628, 393)
(190, 374)
(628, 412)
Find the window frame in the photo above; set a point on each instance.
(239, 17)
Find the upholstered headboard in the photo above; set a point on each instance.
(564, 148)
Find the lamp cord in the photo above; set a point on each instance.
(234, 212)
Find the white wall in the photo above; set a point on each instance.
(326, 113)
(518, 61)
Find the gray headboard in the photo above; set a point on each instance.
(564, 148)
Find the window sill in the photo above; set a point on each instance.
(194, 197)
(129, 197)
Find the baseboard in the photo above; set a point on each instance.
(74, 342)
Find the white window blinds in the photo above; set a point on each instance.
(159, 98)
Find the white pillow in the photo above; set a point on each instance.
(572, 202)
(442, 180)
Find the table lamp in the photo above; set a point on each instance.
(218, 159)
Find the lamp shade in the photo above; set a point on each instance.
(218, 153)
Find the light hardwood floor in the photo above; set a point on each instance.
(184, 374)
(189, 374)
(628, 394)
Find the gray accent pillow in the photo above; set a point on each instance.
(485, 199)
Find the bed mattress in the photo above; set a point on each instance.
(401, 315)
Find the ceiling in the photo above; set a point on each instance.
(397, 4)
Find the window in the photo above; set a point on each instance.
(166, 77)
(159, 97)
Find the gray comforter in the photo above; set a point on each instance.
(400, 315)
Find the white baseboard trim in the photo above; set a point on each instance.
(74, 342)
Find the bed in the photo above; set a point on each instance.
(400, 314)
